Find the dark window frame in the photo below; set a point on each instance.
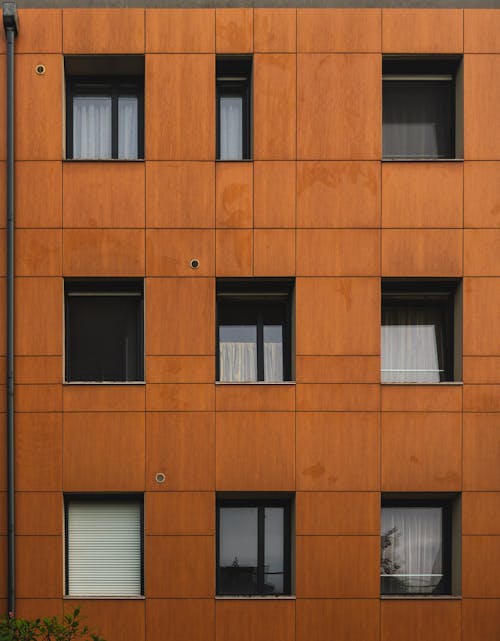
(420, 67)
(99, 287)
(446, 540)
(260, 504)
(260, 298)
(431, 295)
(114, 87)
(237, 81)
(82, 497)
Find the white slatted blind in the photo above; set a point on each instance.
(104, 548)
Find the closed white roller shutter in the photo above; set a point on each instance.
(104, 548)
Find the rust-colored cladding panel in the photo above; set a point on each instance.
(481, 31)
(103, 398)
(274, 194)
(234, 195)
(482, 398)
(185, 129)
(91, 31)
(352, 619)
(421, 398)
(481, 114)
(234, 253)
(480, 619)
(40, 32)
(180, 369)
(179, 566)
(481, 252)
(39, 568)
(180, 31)
(337, 513)
(341, 30)
(422, 195)
(179, 513)
(480, 562)
(180, 619)
(38, 608)
(39, 452)
(103, 194)
(421, 452)
(234, 31)
(482, 194)
(481, 513)
(338, 451)
(274, 252)
(254, 620)
(274, 30)
(338, 369)
(258, 455)
(422, 31)
(420, 619)
(115, 620)
(481, 369)
(170, 252)
(38, 194)
(337, 566)
(274, 106)
(38, 252)
(338, 397)
(180, 397)
(351, 87)
(481, 451)
(39, 513)
(255, 398)
(481, 305)
(39, 101)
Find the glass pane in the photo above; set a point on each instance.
(238, 353)
(92, 127)
(273, 353)
(274, 557)
(231, 128)
(238, 549)
(127, 127)
(417, 119)
(412, 345)
(412, 555)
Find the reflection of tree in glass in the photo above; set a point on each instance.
(235, 563)
(388, 566)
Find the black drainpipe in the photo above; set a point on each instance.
(10, 25)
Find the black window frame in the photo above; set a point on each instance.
(420, 69)
(431, 294)
(260, 504)
(99, 287)
(82, 497)
(446, 540)
(257, 299)
(114, 87)
(234, 78)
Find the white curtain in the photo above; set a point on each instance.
(231, 128)
(413, 557)
(273, 362)
(410, 346)
(127, 127)
(92, 127)
(238, 362)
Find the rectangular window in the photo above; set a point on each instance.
(234, 108)
(418, 331)
(254, 330)
(419, 106)
(104, 330)
(104, 112)
(253, 547)
(104, 546)
(416, 547)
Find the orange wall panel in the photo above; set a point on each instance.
(338, 369)
(481, 115)
(38, 398)
(103, 398)
(338, 397)
(181, 446)
(338, 194)
(38, 608)
(421, 452)
(480, 562)
(234, 30)
(180, 31)
(341, 30)
(354, 303)
(39, 513)
(337, 513)
(422, 194)
(234, 194)
(255, 451)
(420, 619)
(422, 31)
(179, 513)
(180, 397)
(351, 87)
(481, 304)
(421, 398)
(274, 30)
(40, 31)
(338, 451)
(255, 398)
(481, 369)
(179, 566)
(186, 129)
(115, 620)
(481, 513)
(38, 194)
(482, 194)
(180, 194)
(103, 31)
(248, 620)
(234, 252)
(38, 252)
(481, 452)
(180, 619)
(39, 568)
(38, 454)
(274, 252)
(338, 566)
(274, 194)
(481, 251)
(481, 619)
(180, 369)
(481, 31)
(169, 252)
(422, 252)
(349, 619)
(103, 194)
(274, 106)
(103, 452)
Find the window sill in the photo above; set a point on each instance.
(255, 383)
(420, 597)
(422, 159)
(94, 160)
(234, 160)
(442, 384)
(74, 597)
(255, 597)
(73, 383)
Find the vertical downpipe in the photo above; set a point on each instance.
(10, 25)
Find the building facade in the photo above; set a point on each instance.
(257, 294)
